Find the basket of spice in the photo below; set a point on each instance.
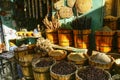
(41, 68)
(63, 71)
(101, 60)
(58, 54)
(89, 73)
(78, 58)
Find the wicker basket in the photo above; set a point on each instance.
(58, 54)
(77, 57)
(26, 66)
(106, 66)
(41, 73)
(55, 76)
(20, 52)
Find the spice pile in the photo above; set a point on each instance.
(92, 73)
(63, 68)
(44, 63)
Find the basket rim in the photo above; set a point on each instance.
(81, 59)
(76, 73)
(34, 62)
(64, 53)
(63, 74)
(93, 61)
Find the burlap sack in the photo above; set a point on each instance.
(65, 12)
(83, 6)
(70, 3)
(59, 4)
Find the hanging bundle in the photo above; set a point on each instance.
(83, 6)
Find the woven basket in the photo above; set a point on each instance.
(55, 76)
(20, 52)
(77, 58)
(71, 3)
(26, 60)
(65, 12)
(83, 6)
(58, 54)
(26, 66)
(106, 66)
(41, 73)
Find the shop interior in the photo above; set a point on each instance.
(59, 39)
